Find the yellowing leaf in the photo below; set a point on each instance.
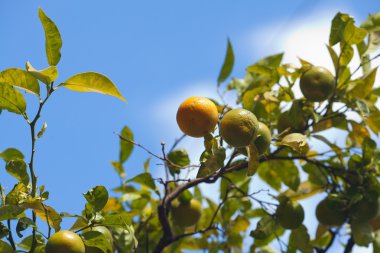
(46, 213)
(92, 82)
(112, 205)
(296, 141)
(53, 41)
(253, 159)
(47, 76)
(21, 79)
(11, 99)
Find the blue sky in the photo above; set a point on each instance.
(157, 53)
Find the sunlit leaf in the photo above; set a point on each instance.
(227, 65)
(17, 195)
(21, 79)
(338, 25)
(361, 88)
(11, 154)
(46, 213)
(92, 82)
(178, 158)
(144, 179)
(17, 168)
(10, 212)
(296, 141)
(53, 41)
(126, 147)
(373, 121)
(253, 159)
(95, 239)
(353, 34)
(47, 76)
(97, 197)
(11, 99)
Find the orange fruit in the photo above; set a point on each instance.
(239, 127)
(186, 214)
(317, 84)
(197, 116)
(65, 241)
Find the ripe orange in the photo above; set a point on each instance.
(186, 214)
(317, 84)
(239, 127)
(65, 241)
(197, 116)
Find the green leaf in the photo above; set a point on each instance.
(253, 159)
(361, 88)
(121, 219)
(362, 233)
(26, 243)
(126, 147)
(21, 79)
(97, 198)
(323, 237)
(353, 34)
(265, 227)
(211, 161)
(296, 141)
(11, 99)
(338, 25)
(22, 224)
(10, 212)
(5, 247)
(316, 175)
(178, 157)
(373, 121)
(274, 172)
(118, 168)
(92, 82)
(300, 240)
(17, 168)
(334, 57)
(47, 76)
(227, 65)
(95, 239)
(11, 154)
(144, 179)
(346, 54)
(369, 147)
(53, 41)
(17, 195)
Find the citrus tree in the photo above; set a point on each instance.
(267, 135)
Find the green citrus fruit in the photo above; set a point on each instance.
(365, 210)
(284, 122)
(105, 231)
(317, 84)
(263, 139)
(331, 212)
(239, 127)
(197, 116)
(65, 241)
(290, 214)
(186, 214)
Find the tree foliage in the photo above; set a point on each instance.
(139, 215)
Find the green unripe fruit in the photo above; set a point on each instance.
(239, 127)
(263, 139)
(365, 210)
(317, 84)
(290, 214)
(186, 214)
(331, 212)
(65, 241)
